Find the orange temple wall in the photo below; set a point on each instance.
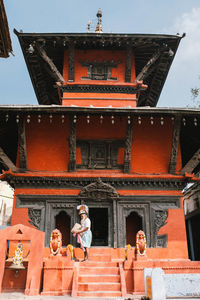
(48, 148)
(100, 56)
(48, 154)
(99, 99)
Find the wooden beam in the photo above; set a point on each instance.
(174, 147)
(55, 73)
(191, 164)
(71, 56)
(72, 145)
(128, 144)
(145, 71)
(128, 64)
(5, 160)
(22, 144)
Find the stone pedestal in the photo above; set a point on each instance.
(58, 275)
(34, 262)
(139, 257)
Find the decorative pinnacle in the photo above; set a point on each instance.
(99, 25)
(88, 26)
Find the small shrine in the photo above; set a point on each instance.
(96, 138)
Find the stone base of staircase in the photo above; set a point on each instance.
(99, 277)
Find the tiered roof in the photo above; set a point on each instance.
(153, 53)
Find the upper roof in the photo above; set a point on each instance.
(5, 41)
(54, 44)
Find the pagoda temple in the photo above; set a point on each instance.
(97, 138)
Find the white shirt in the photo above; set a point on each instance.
(85, 223)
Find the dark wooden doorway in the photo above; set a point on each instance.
(193, 237)
(99, 226)
(133, 225)
(62, 222)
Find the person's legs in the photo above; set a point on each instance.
(87, 253)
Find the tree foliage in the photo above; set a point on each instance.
(195, 92)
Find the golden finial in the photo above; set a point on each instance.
(88, 26)
(99, 25)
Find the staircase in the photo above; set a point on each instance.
(99, 277)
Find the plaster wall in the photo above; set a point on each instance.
(47, 144)
(151, 146)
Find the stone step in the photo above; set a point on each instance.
(100, 250)
(99, 278)
(100, 257)
(99, 270)
(98, 264)
(105, 294)
(114, 286)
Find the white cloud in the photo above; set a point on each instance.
(190, 45)
(185, 70)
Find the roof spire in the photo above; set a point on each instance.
(88, 26)
(99, 25)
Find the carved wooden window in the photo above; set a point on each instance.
(99, 154)
(99, 70)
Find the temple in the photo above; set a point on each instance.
(97, 138)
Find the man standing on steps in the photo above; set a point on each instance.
(86, 234)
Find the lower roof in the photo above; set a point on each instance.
(189, 120)
(96, 110)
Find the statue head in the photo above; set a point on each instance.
(140, 235)
(56, 234)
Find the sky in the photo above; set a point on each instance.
(127, 16)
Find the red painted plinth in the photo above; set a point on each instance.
(14, 281)
(28, 280)
(58, 275)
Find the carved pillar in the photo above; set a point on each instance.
(22, 144)
(128, 144)
(115, 223)
(190, 235)
(72, 146)
(175, 143)
(109, 156)
(128, 64)
(71, 56)
(90, 156)
(160, 217)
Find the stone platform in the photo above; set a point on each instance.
(21, 296)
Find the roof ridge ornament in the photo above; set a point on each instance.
(99, 28)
